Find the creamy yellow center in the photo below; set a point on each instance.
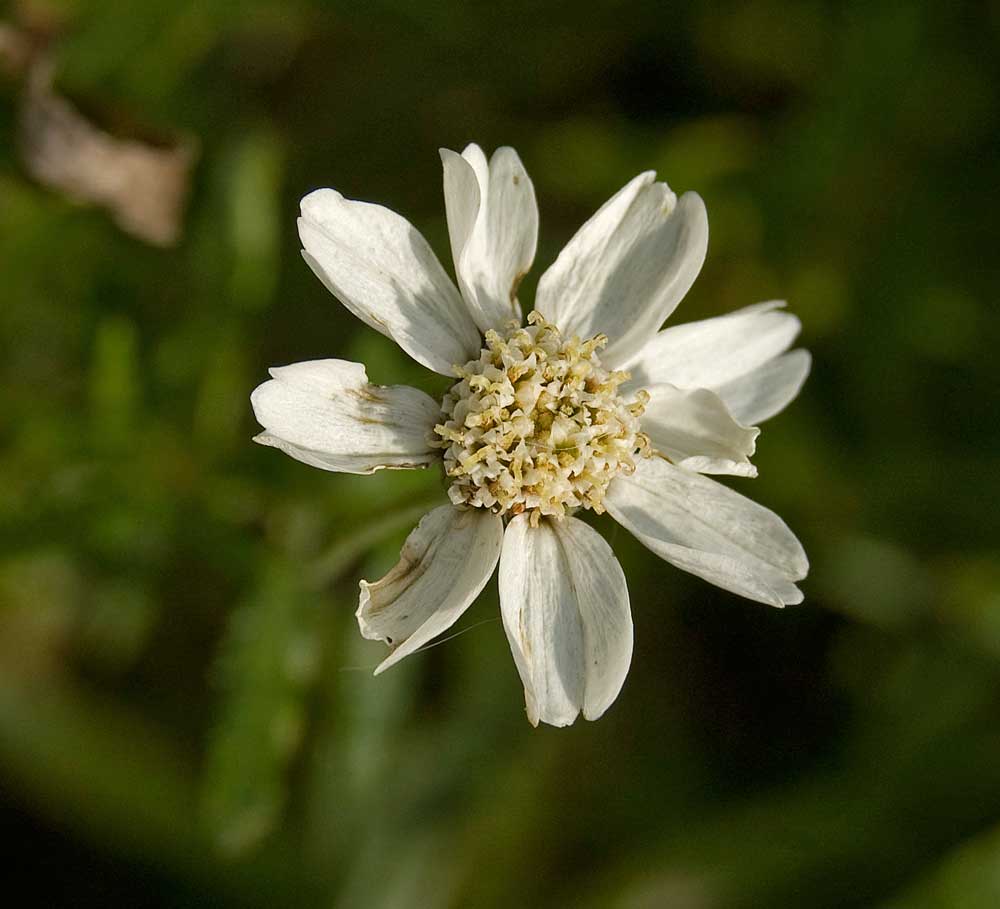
(536, 424)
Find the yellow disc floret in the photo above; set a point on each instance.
(536, 424)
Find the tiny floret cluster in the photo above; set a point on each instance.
(537, 425)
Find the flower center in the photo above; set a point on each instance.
(536, 424)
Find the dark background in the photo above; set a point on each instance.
(186, 715)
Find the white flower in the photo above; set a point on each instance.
(540, 423)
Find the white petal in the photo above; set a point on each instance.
(708, 353)
(493, 225)
(566, 613)
(627, 268)
(444, 564)
(705, 528)
(461, 198)
(768, 389)
(381, 268)
(745, 578)
(695, 430)
(325, 413)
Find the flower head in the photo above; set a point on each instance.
(536, 424)
(585, 404)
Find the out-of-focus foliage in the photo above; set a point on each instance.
(186, 712)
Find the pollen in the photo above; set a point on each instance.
(537, 425)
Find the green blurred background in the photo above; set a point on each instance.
(186, 712)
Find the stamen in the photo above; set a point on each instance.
(536, 424)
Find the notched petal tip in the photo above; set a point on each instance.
(311, 201)
(473, 149)
(796, 600)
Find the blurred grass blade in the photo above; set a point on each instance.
(340, 556)
(256, 219)
(268, 658)
(114, 381)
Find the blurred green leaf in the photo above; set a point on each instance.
(878, 581)
(223, 400)
(968, 878)
(116, 623)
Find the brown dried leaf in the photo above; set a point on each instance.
(143, 186)
(16, 49)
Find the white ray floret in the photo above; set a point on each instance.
(493, 226)
(384, 272)
(443, 566)
(628, 267)
(565, 609)
(326, 414)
